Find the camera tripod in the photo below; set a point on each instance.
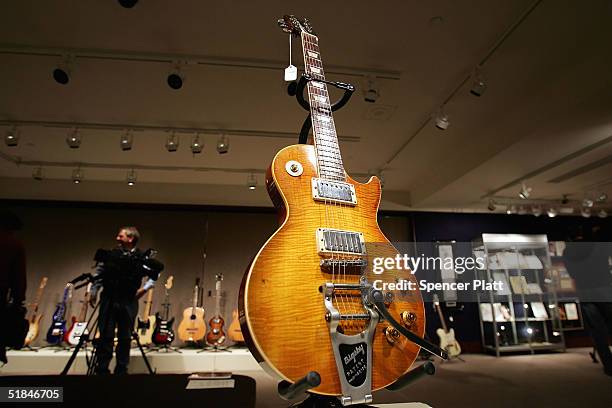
(92, 361)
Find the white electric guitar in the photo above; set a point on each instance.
(447, 337)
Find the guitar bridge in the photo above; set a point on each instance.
(353, 354)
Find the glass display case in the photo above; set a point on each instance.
(522, 313)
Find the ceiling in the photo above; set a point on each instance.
(545, 118)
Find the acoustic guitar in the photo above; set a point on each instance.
(163, 333)
(193, 326)
(79, 324)
(216, 335)
(34, 320)
(301, 304)
(233, 331)
(57, 330)
(446, 335)
(146, 325)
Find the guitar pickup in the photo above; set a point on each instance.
(349, 266)
(334, 191)
(338, 241)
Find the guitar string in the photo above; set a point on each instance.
(317, 125)
(340, 241)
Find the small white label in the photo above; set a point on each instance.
(290, 73)
(210, 384)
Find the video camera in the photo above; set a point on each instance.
(144, 261)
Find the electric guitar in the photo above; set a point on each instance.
(34, 320)
(163, 333)
(79, 325)
(301, 305)
(56, 332)
(216, 335)
(193, 326)
(146, 326)
(233, 331)
(447, 336)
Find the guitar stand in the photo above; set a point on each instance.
(297, 89)
(215, 349)
(297, 390)
(164, 349)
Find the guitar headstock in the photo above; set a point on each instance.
(292, 25)
(169, 281)
(436, 299)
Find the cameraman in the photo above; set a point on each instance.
(120, 272)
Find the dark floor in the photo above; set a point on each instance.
(553, 380)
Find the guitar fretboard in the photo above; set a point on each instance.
(329, 160)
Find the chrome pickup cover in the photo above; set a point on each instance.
(337, 241)
(337, 191)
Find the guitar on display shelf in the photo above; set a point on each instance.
(35, 316)
(446, 335)
(146, 325)
(301, 304)
(216, 335)
(193, 326)
(57, 330)
(79, 324)
(163, 334)
(233, 331)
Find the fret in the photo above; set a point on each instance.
(327, 150)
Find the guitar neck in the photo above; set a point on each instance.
(441, 316)
(329, 159)
(147, 310)
(218, 300)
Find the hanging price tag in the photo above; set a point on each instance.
(290, 73)
(291, 70)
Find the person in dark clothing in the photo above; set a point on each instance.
(12, 272)
(588, 262)
(120, 272)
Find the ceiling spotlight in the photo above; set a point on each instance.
(587, 202)
(479, 86)
(126, 141)
(602, 198)
(77, 176)
(131, 178)
(175, 79)
(491, 206)
(511, 209)
(252, 182)
(586, 212)
(196, 145)
(128, 3)
(602, 213)
(552, 212)
(525, 191)
(441, 119)
(372, 93)
(12, 137)
(37, 174)
(172, 143)
(223, 144)
(564, 199)
(536, 210)
(73, 140)
(61, 73)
